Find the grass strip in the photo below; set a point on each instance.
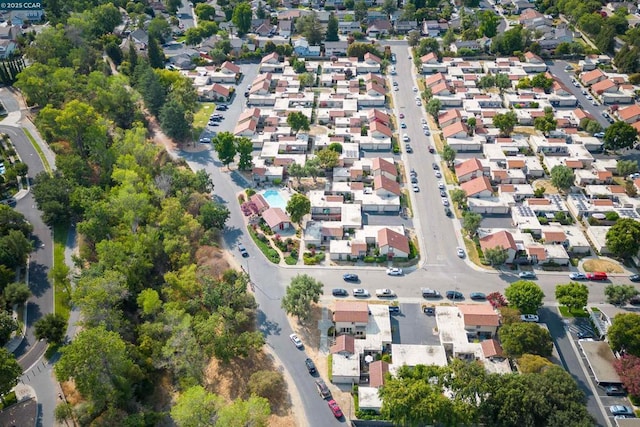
(61, 287)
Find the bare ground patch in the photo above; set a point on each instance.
(548, 186)
(213, 261)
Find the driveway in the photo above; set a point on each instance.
(412, 326)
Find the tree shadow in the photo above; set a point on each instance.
(38, 279)
(265, 326)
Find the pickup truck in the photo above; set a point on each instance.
(385, 293)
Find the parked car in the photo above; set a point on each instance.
(243, 250)
(296, 341)
(620, 410)
(405, 138)
(385, 293)
(430, 293)
(408, 148)
(339, 292)
(394, 309)
(445, 201)
(635, 277)
(477, 296)
(530, 318)
(460, 252)
(222, 108)
(577, 276)
(635, 300)
(311, 367)
(431, 149)
(443, 193)
(527, 275)
(598, 275)
(205, 140)
(428, 310)
(359, 292)
(322, 388)
(427, 133)
(350, 277)
(335, 408)
(414, 180)
(403, 125)
(584, 335)
(441, 185)
(454, 295)
(614, 390)
(435, 166)
(448, 212)
(415, 188)
(394, 271)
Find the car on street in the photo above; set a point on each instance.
(448, 212)
(402, 117)
(423, 121)
(322, 388)
(394, 309)
(205, 140)
(403, 125)
(394, 271)
(415, 89)
(296, 341)
(360, 292)
(614, 390)
(408, 148)
(430, 293)
(445, 201)
(413, 172)
(530, 318)
(441, 185)
(431, 149)
(635, 300)
(335, 408)
(460, 252)
(419, 103)
(527, 275)
(428, 310)
(435, 166)
(584, 335)
(405, 138)
(577, 276)
(454, 295)
(415, 188)
(597, 275)
(443, 193)
(620, 410)
(395, 83)
(594, 102)
(599, 134)
(396, 88)
(311, 367)
(222, 108)
(339, 292)
(635, 277)
(427, 133)
(381, 293)
(414, 180)
(438, 174)
(243, 250)
(477, 296)
(350, 277)
(213, 124)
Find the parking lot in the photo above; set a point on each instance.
(411, 326)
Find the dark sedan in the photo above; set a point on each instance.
(350, 277)
(454, 295)
(635, 277)
(477, 296)
(339, 292)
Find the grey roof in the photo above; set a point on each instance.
(600, 358)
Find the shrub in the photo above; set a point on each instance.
(277, 181)
(250, 192)
(369, 259)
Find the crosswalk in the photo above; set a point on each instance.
(585, 328)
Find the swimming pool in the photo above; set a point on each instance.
(275, 199)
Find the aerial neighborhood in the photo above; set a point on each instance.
(426, 212)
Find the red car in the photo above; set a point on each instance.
(401, 116)
(337, 412)
(598, 275)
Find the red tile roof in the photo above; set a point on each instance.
(491, 348)
(383, 165)
(351, 311)
(501, 238)
(476, 186)
(344, 344)
(393, 240)
(479, 315)
(468, 166)
(377, 371)
(388, 184)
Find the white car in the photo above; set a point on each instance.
(415, 188)
(359, 292)
(419, 103)
(460, 252)
(394, 271)
(441, 185)
(405, 137)
(530, 318)
(296, 341)
(385, 293)
(438, 174)
(415, 89)
(396, 88)
(423, 121)
(578, 276)
(445, 201)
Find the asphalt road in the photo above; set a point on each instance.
(443, 270)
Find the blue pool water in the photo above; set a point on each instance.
(275, 199)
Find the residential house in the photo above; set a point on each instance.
(503, 239)
(403, 27)
(630, 114)
(264, 29)
(301, 48)
(479, 188)
(140, 38)
(386, 187)
(434, 28)
(382, 167)
(348, 27)
(377, 373)
(230, 68)
(480, 320)
(455, 130)
(276, 219)
(8, 40)
(351, 317)
(215, 92)
(345, 345)
(449, 117)
(592, 77)
(285, 28)
(379, 130)
(375, 115)
(379, 28)
(468, 170)
(393, 244)
(491, 349)
(466, 44)
(338, 48)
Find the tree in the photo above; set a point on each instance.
(459, 197)
(242, 18)
(448, 154)
(298, 206)
(620, 135)
(624, 333)
(196, 407)
(487, 81)
(497, 300)
(573, 295)
(224, 144)
(207, 12)
(51, 192)
(52, 327)
(160, 29)
(296, 170)
(489, 22)
(268, 384)
(254, 411)
(244, 147)
(360, 10)
(471, 124)
(628, 367)
(9, 372)
(332, 29)
(505, 122)
(509, 315)
(433, 107)
(154, 53)
(539, 192)
(525, 338)
(301, 292)
(298, 121)
(623, 238)
(471, 222)
(626, 167)
(533, 364)
(173, 120)
(496, 256)
(149, 302)
(328, 159)
(408, 12)
(541, 81)
(310, 28)
(620, 294)
(546, 123)
(99, 363)
(17, 293)
(503, 82)
(307, 79)
(389, 6)
(14, 249)
(7, 326)
(524, 295)
(213, 215)
(562, 177)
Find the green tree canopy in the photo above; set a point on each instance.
(17, 293)
(298, 206)
(225, 146)
(196, 407)
(620, 294)
(471, 222)
(496, 256)
(620, 135)
(298, 121)
(573, 295)
(328, 159)
(524, 295)
(7, 326)
(525, 338)
(300, 294)
(505, 122)
(562, 177)
(626, 167)
(533, 364)
(51, 327)
(623, 238)
(242, 17)
(9, 371)
(624, 333)
(332, 29)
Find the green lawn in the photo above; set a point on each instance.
(201, 116)
(566, 312)
(62, 297)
